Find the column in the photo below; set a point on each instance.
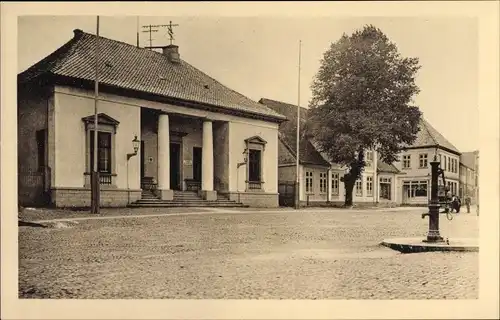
(207, 159)
(329, 184)
(164, 158)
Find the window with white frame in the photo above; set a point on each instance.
(105, 148)
(254, 165)
(369, 158)
(406, 161)
(369, 186)
(255, 148)
(359, 188)
(309, 181)
(444, 163)
(323, 185)
(423, 160)
(335, 183)
(415, 188)
(449, 164)
(103, 152)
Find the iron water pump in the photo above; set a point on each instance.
(433, 234)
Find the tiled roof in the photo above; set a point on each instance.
(308, 152)
(469, 159)
(288, 133)
(430, 137)
(286, 109)
(142, 70)
(385, 167)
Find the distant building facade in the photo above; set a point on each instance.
(406, 181)
(469, 175)
(415, 163)
(320, 179)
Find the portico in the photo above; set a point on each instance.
(185, 153)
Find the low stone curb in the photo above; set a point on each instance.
(416, 245)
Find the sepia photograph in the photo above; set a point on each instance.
(259, 157)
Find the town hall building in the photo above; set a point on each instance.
(166, 131)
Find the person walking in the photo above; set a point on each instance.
(467, 203)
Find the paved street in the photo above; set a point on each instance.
(311, 254)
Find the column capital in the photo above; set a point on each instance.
(206, 119)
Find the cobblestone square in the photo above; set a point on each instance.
(282, 254)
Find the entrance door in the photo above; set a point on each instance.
(175, 166)
(196, 163)
(406, 191)
(142, 159)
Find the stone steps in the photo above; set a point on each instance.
(183, 199)
(167, 204)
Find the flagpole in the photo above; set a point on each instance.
(95, 184)
(137, 28)
(297, 182)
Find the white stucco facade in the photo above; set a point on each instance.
(225, 142)
(415, 164)
(69, 162)
(239, 130)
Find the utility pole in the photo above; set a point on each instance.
(95, 184)
(137, 30)
(297, 171)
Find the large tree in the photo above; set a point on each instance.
(363, 99)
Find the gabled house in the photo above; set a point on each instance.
(195, 133)
(320, 179)
(415, 163)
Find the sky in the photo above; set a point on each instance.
(258, 56)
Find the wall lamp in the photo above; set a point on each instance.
(135, 144)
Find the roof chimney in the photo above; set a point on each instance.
(77, 33)
(172, 52)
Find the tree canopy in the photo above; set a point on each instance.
(363, 99)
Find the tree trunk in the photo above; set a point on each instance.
(351, 177)
(349, 186)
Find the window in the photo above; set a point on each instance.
(406, 161)
(444, 163)
(369, 158)
(255, 147)
(359, 188)
(385, 188)
(335, 183)
(415, 188)
(254, 165)
(309, 182)
(423, 160)
(369, 186)
(103, 151)
(323, 186)
(40, 143)
(449, 164)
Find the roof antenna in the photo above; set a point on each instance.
(155, 28)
